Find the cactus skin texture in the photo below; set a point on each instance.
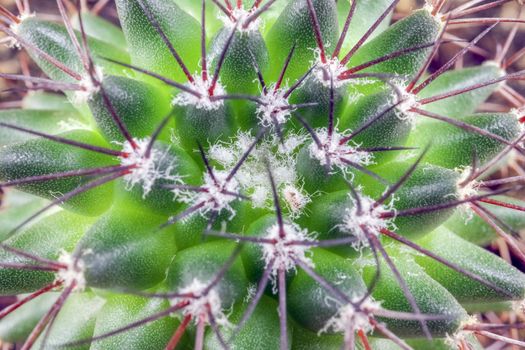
(266, 174)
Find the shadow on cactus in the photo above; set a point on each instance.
(258, 175)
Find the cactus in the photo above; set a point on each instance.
(258, 175)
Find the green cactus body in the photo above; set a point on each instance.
(255, 175)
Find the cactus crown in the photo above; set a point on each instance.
(258, 175)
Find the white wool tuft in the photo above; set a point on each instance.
(295, 200)
(204, 101)
(337, 153)
(458, 339)
(253, 177)
(212, 196)
(201, 304)
(241, 15)
(88, 88)
(466, 190)
(160, 165)
(272, 111)
(223, 154)
(350, 319)
(355, 223)
(519, 306)
(408, 101)
(251, 291)
(283, 250)
(73, 273)
(12, 42)
(332, 68)
(429, 7)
